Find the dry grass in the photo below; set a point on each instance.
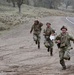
(10, 17)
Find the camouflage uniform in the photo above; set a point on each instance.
(47, 34)
(36, 33)
(64, 46)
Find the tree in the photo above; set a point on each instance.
(68, 2)
(8, 1)
(19, 3)
(26, 2)
(72, 4)
(55, 3)
(13, 2)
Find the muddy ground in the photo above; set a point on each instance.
(19, 54)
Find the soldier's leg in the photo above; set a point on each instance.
(38, 41)
(48, 49)
(67, 54)
(62, 62)
(35, 38)
(51, 51)
(51, 48)
(38, 45)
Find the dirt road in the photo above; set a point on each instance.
(19, 54)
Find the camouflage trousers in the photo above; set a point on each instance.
(49, 45)
(64, 54)
(48, 42)
(36, 37)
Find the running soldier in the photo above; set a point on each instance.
(64, 45)
(48, 42)
(36, 28)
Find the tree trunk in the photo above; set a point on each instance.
(19, 9)
(13, 2)
(19, 3)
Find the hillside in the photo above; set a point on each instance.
(9, 16)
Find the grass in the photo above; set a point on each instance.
(10, 17)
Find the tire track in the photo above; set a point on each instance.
(39, 67)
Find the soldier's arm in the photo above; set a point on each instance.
(71, 38)
(32, 28)
(57, 39)
(41, 24)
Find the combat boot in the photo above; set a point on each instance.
(63, 64)
(64, 68)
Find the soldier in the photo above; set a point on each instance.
(36, 28)
(64, 45)
(48, 42)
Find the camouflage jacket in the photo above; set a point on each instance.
(48, 31)
(64, 40)
(36, 28)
